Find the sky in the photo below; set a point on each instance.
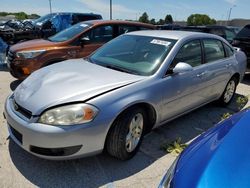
(132, 9)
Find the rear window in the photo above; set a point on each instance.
(82, 18)
(244, 33)
(126, 29)
(218, 32)
(213, 50)
(145, 28)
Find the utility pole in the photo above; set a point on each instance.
(110, 9)
(229, 15)
(50, 8)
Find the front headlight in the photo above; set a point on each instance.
(29, 54)
(69, 115)
(166, 181)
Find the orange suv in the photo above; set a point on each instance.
(78, 41)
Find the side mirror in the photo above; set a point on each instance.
(85, 40)
(182, 67)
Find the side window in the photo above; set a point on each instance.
(218, 32)
(145, 28)
(126, 28)
(213, 50)
(100, 34)
(229, 35)
(229, 51)
(81, 18)
(190, 53)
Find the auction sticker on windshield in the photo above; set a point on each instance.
(160, 42)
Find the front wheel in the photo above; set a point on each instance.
(125, 136)
(229, 91)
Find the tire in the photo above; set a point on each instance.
(123, 131)
(229, 92)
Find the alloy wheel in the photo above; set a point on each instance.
(135, 132)
(229, 91)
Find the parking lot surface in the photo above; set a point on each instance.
(20, 169)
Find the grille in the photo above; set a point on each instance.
(11, 56)
(55, 151)
(22, 110)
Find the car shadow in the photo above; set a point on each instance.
(102, 170)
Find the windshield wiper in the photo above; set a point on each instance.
(121, 69)
(89, 59)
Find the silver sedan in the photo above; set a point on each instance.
(131, 85)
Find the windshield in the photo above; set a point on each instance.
(43, 19)
(70, 32)
(244, 33)
(141, 55)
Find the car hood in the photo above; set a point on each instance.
(32, 45)
(68, 81)
(220, 158)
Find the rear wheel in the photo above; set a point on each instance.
(126, 134)
(229, 91)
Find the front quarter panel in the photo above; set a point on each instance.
(111, 104)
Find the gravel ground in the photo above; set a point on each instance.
(20, 169)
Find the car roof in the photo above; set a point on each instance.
(209, 26)
(173, 34)
(102, 22)
(94, 14)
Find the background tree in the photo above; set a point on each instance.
(33, 16)
(152, 21)
(161, 22)
(200, 19)
(20, 15)
(168, 19)
(144, 18)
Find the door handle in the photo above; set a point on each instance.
(72, 53)
(201, 74)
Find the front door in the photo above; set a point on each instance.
(182, 92)
(94, 39)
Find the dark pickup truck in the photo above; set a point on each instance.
(242, 41)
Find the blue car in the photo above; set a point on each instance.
(218, 158)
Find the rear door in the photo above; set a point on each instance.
(217, 64)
